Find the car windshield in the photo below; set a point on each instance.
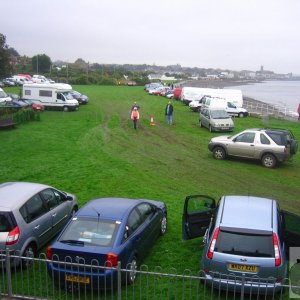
(68, 96)
(219, 114)
(254, 245)
(2, 94)
(90, 231)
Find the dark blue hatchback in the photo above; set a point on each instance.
(102, 233)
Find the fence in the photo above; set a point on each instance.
(265, 110)
(35, 282)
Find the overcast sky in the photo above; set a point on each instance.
(227, 34)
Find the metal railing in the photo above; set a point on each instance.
(30, 278)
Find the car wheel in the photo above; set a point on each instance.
(66, 108)
(29, 252)
(200, 123)
(132, 267)
(268, 161)
(163, 225)
(241, 115)
(210, 128)
(219, 153)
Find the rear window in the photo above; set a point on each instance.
(6, 223)
(280, 138)
(245, 244)
(89, 231)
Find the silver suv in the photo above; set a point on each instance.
(31, 214)
(246, 239)
(270, 146)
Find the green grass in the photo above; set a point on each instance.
(95, 152)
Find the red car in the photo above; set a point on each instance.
(34, 106)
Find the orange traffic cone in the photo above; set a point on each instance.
(152, 120)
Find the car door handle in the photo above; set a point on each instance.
(37, 227)
(54, 215)
(252, 145)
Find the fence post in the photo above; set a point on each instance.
(8, 273)
(242, 287)
(119, 282)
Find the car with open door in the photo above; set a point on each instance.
(246, 239)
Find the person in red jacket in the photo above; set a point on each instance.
(134, 116)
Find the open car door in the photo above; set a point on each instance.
(291, 229)
(197, 213)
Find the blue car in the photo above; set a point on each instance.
(102, 233)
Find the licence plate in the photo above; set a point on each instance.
(242, 268)
(79, 279)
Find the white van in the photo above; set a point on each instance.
(53, 96)
(221, 103)
(189, 94)
(3, 96)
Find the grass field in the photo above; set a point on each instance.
(95, 152)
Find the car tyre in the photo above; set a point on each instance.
(132, 268)
(219, 153)
(200, 123)
(268, 161)
(29, 252)
(294, 147)
(66, 108)
(163, 225)
(241, 115)
(210, 128)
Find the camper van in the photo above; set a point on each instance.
(54, 96)
(193, 93)
(221, 103)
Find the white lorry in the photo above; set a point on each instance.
(221, 103)
(189, 94)
(53, 96)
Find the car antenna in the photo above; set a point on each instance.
(98, 214)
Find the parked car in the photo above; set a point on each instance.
(34, 106)
(270, 146)
(215, 120)
(131, 83)
(81, 98)
(246, 238)
(104, 232)
(31, 214)
(8, 82)
(13, 96)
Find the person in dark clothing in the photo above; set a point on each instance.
(169, 113)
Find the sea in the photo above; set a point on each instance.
(282, 93)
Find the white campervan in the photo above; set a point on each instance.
(221, 103)
(54, 96)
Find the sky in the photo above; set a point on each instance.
(226, 34)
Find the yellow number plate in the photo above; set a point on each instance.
(78, 279)
(243, 268)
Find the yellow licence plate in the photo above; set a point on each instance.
(79, 279)
(242, 268)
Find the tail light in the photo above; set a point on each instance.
(49, 252)
(276, 250)
(111, 260)
(210, 252)
(13, 236)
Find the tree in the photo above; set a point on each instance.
(4, 57)
(41, 63)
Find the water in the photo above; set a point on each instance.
(281, 93)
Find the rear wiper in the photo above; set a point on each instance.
(75, 242)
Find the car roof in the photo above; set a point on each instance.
(108, 208)
(14, 194)
(247, 212)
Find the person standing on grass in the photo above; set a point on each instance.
(169, 113)
(299, 112)
(134, 116)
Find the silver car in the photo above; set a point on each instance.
(31, 214)
(215, 120)
(246, 239)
